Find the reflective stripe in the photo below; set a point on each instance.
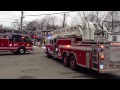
(77, 47)
(13, 48)
(4, 47)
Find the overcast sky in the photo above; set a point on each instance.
(8, 17)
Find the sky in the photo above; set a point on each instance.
(8, 17)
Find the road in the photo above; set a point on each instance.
(36, 65)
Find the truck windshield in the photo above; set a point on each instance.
(15, 38)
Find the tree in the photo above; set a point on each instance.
(47, 22)
(87, 16)
(31, 25)
(1, 26)
(16, 24)
(92, 16)
(63, 21)
(112, 19)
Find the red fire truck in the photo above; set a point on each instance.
(17, 44)
(86, 47)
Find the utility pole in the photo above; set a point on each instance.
(112, 21)
(97, 12)
(22, 20)
(64, 20)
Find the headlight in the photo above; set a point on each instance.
(56, 49)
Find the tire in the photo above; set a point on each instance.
(73, 64)
(65, 60)
(21, 50)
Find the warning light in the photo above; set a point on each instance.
(101, 66)
(102, 57)
(68, 46)
(10, 45)
(34, 36)
(48, 37)
(101, 46)
(23, 37)
(28, 45)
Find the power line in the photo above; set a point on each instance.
(51, 13)
(5, 21)
(8, 19)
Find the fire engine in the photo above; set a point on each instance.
(86, 46)
(16, 43)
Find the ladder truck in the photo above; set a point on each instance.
(87, 47)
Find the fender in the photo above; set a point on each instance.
(74, 55)
(65, 52)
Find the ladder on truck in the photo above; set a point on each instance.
(99, 38)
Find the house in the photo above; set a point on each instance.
(114, 36)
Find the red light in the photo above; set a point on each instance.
(23, 37)
(35, 36)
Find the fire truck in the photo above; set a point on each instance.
(16, 43)
(86, 47)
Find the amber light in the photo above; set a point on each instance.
(102, 57)
(101, 46)
(68, 46)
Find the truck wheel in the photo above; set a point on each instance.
(73, 64)
(48, 55)
(21, 50)
(65, 60)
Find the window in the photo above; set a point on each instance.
(50, 41)
(115, 38)
(16, 38)
(27, 39)
(79, 39)
(55, 40)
